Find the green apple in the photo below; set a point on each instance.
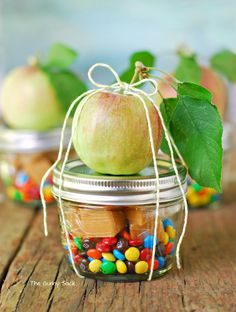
(29, 101)
(111, 134)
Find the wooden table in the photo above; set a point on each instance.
(35, 276)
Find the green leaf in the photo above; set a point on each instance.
(225, 63)
(188, 69)
(197, 131)
(145, 57)
(67, 85)
(60, 56)
(167, 109)
(194, 90)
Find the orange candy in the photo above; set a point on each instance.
(94, 253)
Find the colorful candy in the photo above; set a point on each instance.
(94, 266)
(146, 254)
(122, 245)
(141, 267)
(103, 247)
(161, 261)
(122, 255)
(119, 255)
(94, 253)
(78, 243)
(155, 264)
(169, 248)
(22, 188)
(88, 244)
(132, 254)
(109, 241)
(121, 267)
(199, 196)
(135, 242)
(108, 256)
(149, 241)
(170, 231)
(130, 267)
(108, 267)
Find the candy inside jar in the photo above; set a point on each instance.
(24, 158)
(111, 221)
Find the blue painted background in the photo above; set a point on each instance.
(109, 31)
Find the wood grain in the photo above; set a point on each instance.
(207, 282)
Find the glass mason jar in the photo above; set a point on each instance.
(199, 196)
(110, 220)
(24, 158)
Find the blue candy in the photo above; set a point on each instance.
(103, 260)
(168, 222)
(161, 261)
(21, 178)
(69, 259)
(172, 251)
(215, 197)
(90, 259)
(148, 241)
(66, 248)
(119, 255)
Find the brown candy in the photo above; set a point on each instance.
(122, 245)
(88, 244)
(130, 267)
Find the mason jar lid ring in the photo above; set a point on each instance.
(27, 141)
(83, 185)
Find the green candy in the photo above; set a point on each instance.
(108, 267)
(196, 187)
(18, 196)
(78, 243)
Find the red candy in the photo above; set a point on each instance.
(94, 253)
(109, 241)
(74, 250)
(168, 248)
(100, 246)
(76, 258)
(146, 254)
(125, 235)
(135, 242)
(155, 264)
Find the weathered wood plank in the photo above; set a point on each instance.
(15, 222)
(207, 282)
(37, 260)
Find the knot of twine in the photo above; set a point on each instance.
(130, 89)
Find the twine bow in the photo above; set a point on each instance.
(129, 89)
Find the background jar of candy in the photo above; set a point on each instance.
(24, 158)
(110, 221)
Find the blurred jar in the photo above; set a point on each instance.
(110, 220)
(199, 196)
(24, 158)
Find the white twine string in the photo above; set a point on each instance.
(127, 89)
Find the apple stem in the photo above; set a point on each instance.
(141, 71)
(33, 61)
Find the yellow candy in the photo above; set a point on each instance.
(166, 238)
(141, 267)
(121, 267)
(47, 191)
(132, 254)
(11, 191)
(94, 266)
(171, 231)
(193, 200)
(108, 256)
